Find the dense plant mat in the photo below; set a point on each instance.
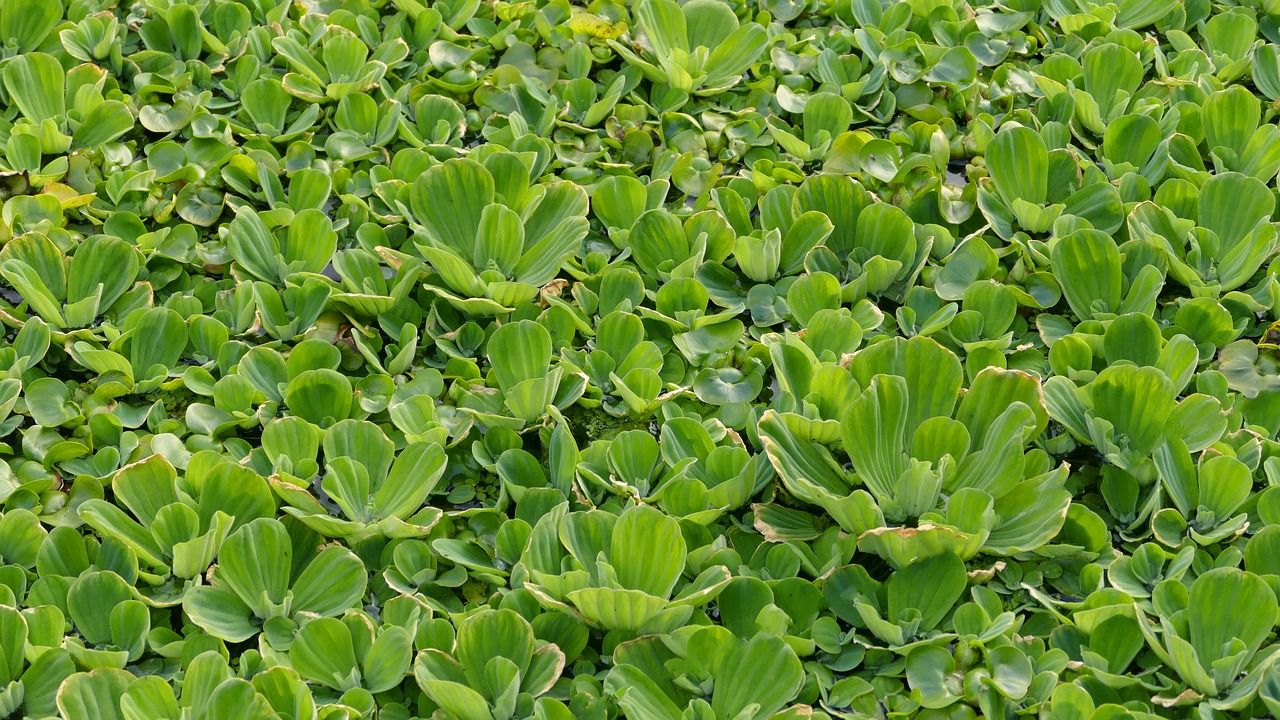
(703, 360)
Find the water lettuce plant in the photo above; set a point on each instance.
(653, 359)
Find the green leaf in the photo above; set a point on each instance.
(519, 351)
(616, 609)
(735, 54)
(27, 23)
(1018, 161)
(1087, 266)
(657, 240)
(255, 564)
(21, 536)
(449, 201)
(764, 671)
(457, 699)
(159, 338)
(319, 395)
(1266, 70)
(220, 612)
(388, 660)
(1131, 139)
(1211, 622)
(90, 603)
(491, 634)
(639, 695)
(499, 240)
(103, 265)
(929, 673)
(933, 374)
(619, 200)
(13, 633)
(1232, 204)
(107, 121)
(322, 652)
(930, 586)
(94, 694)
(647, 551)
(664, 26)
(874, 431)
(311, 240)
(254, 246)
(1136, 401)
(333, 581)
(1011, 671)
(35, 82)
(553, 231)
(413, 476)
